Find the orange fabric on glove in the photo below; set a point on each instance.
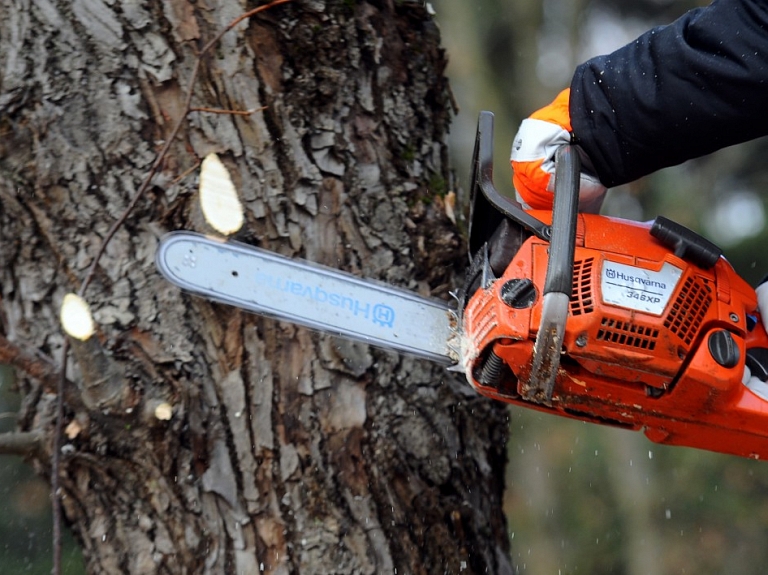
(557, 112)
(533, 151)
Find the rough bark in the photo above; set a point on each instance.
(287, 451)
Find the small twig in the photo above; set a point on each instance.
(239, 19)
(185, 174)
(32, 365)
(22, 443)
(231, 112)
(37, 366)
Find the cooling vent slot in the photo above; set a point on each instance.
(688, 310)
(581, 297)
(627, 333)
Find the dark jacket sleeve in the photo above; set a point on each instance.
(676, 93)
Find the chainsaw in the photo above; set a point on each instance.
(642, 326)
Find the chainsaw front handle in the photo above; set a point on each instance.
(558, 284)
(564, 215)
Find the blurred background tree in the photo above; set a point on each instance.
(25, 506)
(582, 498)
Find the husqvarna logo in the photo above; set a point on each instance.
(613, 274)
(383, 315)
(638, 288)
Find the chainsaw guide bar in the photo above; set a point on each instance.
(308, 294)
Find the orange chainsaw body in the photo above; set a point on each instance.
(652, 342)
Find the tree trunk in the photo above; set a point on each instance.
(287, 451)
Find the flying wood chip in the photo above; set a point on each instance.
(218, 197)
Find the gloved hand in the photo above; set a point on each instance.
(755, 384)
(533, 158)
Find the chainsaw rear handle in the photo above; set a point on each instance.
(564, 215)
